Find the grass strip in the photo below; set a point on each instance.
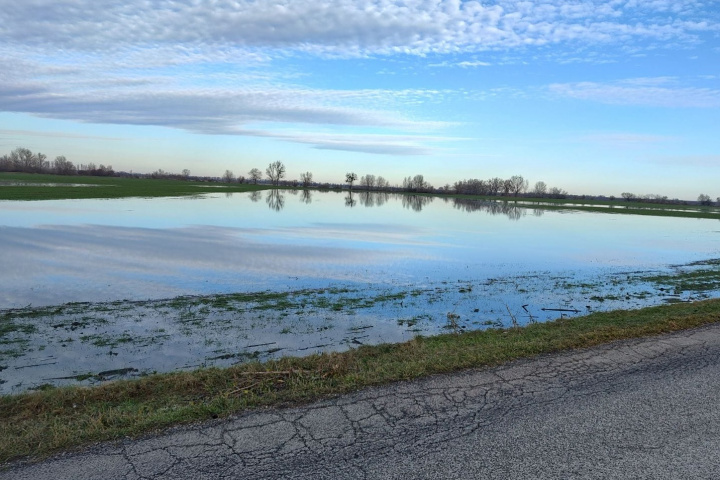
(39, 423)
(61, 187)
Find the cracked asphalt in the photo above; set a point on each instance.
(646, 408)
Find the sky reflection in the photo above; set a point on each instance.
(91, 250)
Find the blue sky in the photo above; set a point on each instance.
(592, 96)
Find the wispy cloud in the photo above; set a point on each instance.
(626, 139)
(365, 143)
(657, 92)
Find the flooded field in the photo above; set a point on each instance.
(92, 290)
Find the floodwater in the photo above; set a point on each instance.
(155, 282)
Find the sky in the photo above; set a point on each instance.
(595, 97)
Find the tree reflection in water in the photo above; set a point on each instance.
(255, 196)
(416, 202)
(275, 200)
(493, 207)
(306, 197)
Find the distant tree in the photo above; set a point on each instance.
(6, 164)
(518, 185)
(495, 185)
(556, 192)
(704, 199)
(275, 172)
(628, 196)
(24, 160)
(228, 176)
(350, 178)
(103, 171)
(306, 179)
(419, 183)
(367, 181)
(381, 183)
(415, 184)
(186, 173)
(540, 189)
(254, 175)
(63, 166)
(506, 187)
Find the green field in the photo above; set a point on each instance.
(59, 187)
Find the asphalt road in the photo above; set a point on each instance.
(646, 408)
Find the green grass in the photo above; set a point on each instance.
(615, 207)
(109, 187)
(39, 423)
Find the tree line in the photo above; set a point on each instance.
(24, 160)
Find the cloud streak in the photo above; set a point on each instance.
(640, 92)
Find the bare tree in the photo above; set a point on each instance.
(275, 171)
(556, 192)
(540, 189)
(186, 173)
(306, 179)
(228, 176)
(495, 185)
(350, 178)
(628, 196)
(63, 166)
(704, 199)
(24, 160)
(419, 183)
(367, 181)
(506, 187)
(518, 185)
(254, 175)
(381, 183)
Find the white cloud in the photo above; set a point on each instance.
(344, 27)
(208, 67)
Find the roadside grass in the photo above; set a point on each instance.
(36, 424)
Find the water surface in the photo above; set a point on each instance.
(346, 270)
